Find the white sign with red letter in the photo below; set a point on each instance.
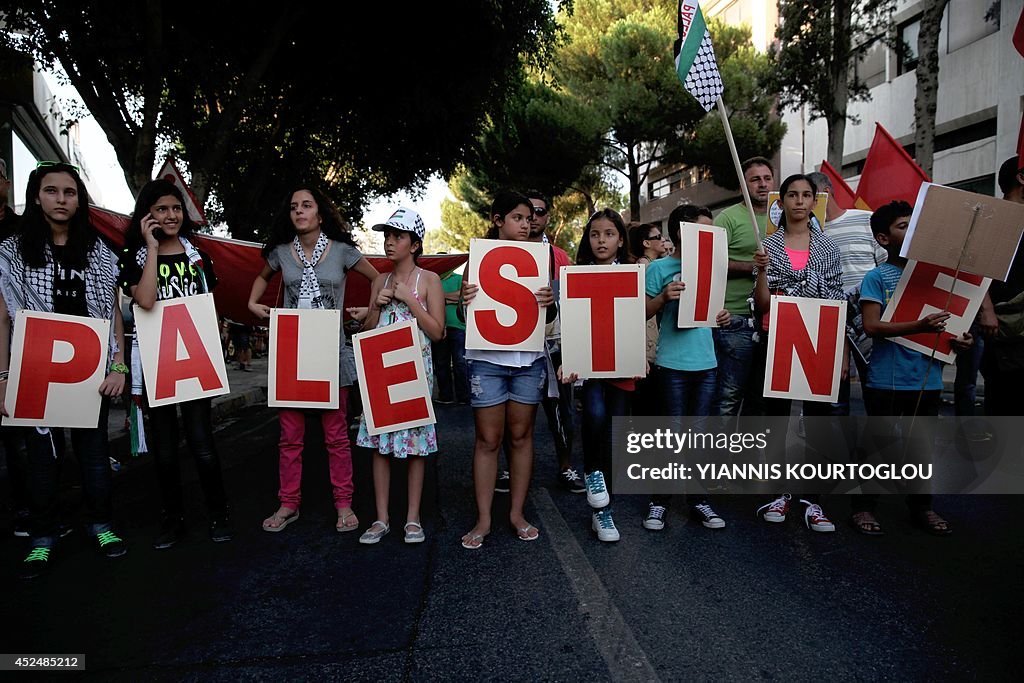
(805, 348)
(393, 379)
(603, 311)
(304, 348)
(504, 314)
(57, 365)
(923, 289)
(705, 269)
(179, 342)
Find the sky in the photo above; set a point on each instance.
(110, 190)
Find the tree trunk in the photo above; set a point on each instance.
(926, 97)
(634, 184)
(839, 70)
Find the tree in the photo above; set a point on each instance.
(256, 101)
(927, 86)
(814, 66)
(618, 60)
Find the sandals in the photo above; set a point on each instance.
(280, 519)
(377, 531)
(930, 521)
(523, 534)
(473, 541)
(415, 534)
(343, 524)
(865, 523)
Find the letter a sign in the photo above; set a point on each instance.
(179, 341)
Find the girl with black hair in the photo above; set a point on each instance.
(158, 263)
(57, 264)
(506, 388)
(798, 259)
(603, 244)
(311, 247)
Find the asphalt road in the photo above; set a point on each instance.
(752, 601)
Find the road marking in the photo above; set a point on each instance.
(618, 646)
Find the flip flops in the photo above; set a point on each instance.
(523, 534)
(343, 526)
(473, 541)
(280, 520)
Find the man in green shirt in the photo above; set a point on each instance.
(734, 344)
(450, 352)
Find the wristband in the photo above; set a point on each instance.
(4, 374)
(119, 368)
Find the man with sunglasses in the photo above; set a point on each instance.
(559, 410)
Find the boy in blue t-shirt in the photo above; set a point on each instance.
(686, 363)
(896, 374)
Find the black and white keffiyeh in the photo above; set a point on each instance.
(309, 290)
(26, 288)
(822, 278)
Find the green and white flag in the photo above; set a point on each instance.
(695, 57)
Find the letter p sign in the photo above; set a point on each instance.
(57, 365)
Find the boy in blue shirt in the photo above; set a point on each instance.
(896, 373)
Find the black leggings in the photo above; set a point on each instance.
(195, 416)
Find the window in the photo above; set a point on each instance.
(870, 64)
(906, 46)
(985, 184)
(965, 22)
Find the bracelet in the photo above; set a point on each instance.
(119, 368)
(4, 374)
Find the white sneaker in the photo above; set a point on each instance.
(601, 522)
(815, 518)
(776, 510)
(597, 492)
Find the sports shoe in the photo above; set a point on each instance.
(570, 480)
(172, 530)
(601, 522)
(776, 510)
(815, 519)
(110, 544)
(597, 492)
(21, 527)
(655, 517)
(220, 532)
(37, 562)
(503, 484)
(707, 516)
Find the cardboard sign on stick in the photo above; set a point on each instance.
(923, 289)
(505, 315)
(57, 365)
(304, 350)
(705, 270)
(805, 348)
(392, 379)
(603, 321)
(939, 228)
(179, 342)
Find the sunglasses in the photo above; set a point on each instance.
(55, 164)
(655, 236)
(540, 211)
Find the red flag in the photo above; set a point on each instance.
(1018, 42)
(237, 263)
(841, 192)
(889, 172)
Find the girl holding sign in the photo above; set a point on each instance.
(408, 292)
(58, 264)
(311, 246)
(798, 259)
(159, 263)
(603, 244)
(506, 388)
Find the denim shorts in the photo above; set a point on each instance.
(491, 385)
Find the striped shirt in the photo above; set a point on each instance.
(859, 253)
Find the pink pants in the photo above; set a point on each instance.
(339, 453)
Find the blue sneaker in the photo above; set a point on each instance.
(601, 522)
(597, 492)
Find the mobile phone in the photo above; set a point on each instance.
(157, 232)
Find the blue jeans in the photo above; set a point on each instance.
(45, 454)
(601, 402)
(967, 366)
(449, 355)
(734, 348)
(685, 393)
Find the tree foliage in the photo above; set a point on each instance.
(258, 101)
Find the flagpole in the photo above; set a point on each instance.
(739, 171)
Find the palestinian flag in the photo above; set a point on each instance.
(695, 57)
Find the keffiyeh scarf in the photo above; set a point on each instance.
(309, 290)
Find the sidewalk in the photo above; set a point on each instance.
(247, 389)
